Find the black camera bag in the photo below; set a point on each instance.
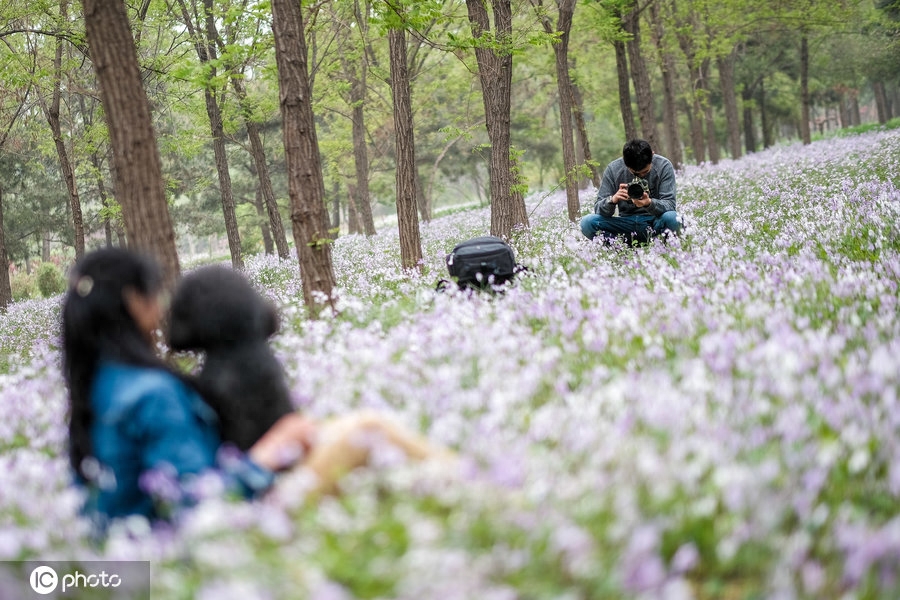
(482, 261)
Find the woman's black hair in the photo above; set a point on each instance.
(96, 324)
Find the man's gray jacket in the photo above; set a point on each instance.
(661, 180)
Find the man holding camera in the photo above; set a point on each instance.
(641, 185)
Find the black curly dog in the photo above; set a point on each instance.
(216, 310)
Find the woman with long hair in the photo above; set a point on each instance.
(130, 415)
(136, 427)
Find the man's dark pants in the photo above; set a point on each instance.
(640, 228)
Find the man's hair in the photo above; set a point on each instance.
(637, 154)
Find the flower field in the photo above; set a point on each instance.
(716, 417)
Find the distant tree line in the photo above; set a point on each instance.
(282, 124)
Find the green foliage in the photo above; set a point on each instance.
(50, 281)
(24, 286)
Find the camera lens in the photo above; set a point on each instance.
(635, 190)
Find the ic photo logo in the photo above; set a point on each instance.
(44, 580)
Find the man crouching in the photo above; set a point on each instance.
(641, 185)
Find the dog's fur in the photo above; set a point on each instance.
(217, 311)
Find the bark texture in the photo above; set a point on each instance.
(581, 129)
(669, 70)
(266, 192)
(357, 75)
(494, 56)
(407, 182)
(566, 10)
(729, 99)
(65, 164)
(622, 77)
(640, 75)
(309, 217)
(140, 188)
(204, 44)
(805, 133)
(5, 287)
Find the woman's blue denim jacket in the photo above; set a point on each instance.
(150, 426)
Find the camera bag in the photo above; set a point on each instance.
(482, 261)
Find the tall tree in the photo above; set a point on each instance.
(5, 287)
(140, 188)
(356, 67)
(20, 98)
(96, 137)
(309, 216)
(725, 66)
(275, 226)
(640, 76)
(685, 27)
(52, 113)
(669, 72)
(407, 181)
(493, 51)
(623, 78)
(201, 24)
(581, 129)
(565, 14)
(274, 230)
(805, 134)
(612, 14)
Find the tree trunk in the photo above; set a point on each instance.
(360, 151)
(624, 90)
(641, 78)
(353, 225)
(893, 102)
(564, 84)
(729, 99)
(336, 209)
(264, 226)
(749, 129)
(670, 106)
(140, 188)
(566, 9)
(65, 165)
(685, 33)
(309, 217)
(204, 45)
(221, 155)
(45, 245)
(695, 120)
(804, 89)
(712, 142)
(581, 129)
(5, 287)
(356, 72)
(881, 101)
(495, 72)
(764, 116)
(118, 226)
(206, 52)
(104, 199)
(407, 182)
(855, 117)
(258, 152)
(423, 201)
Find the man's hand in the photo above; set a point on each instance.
(621, 195)
(643, 201)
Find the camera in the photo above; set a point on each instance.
(637, 187)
